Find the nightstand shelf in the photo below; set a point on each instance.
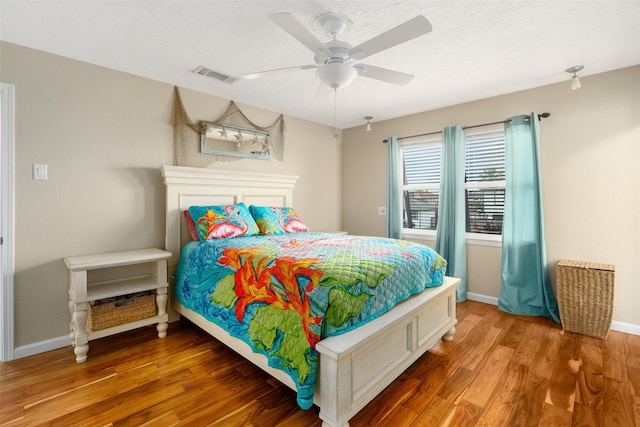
(84, 287)
(117, 287)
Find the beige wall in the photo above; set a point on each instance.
(104, 135)
(590, 157)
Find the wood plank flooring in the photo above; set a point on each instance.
(500, 370)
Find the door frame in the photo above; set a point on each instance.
(7, 145)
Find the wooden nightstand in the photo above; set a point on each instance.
(150, 275)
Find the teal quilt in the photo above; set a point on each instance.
(281, 294)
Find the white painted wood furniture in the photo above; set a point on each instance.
(151, 274)
(354, 367)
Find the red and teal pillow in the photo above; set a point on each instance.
(274, 220)
(220, 222)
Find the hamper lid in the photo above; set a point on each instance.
(587, 265)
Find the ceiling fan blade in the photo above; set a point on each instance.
(257, 74)
(383, 74)
(291, 25)
(402, 33)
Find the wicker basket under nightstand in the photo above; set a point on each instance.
(119, 310)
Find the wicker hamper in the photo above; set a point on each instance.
(119, 310)
(585, 297)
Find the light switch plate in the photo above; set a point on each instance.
(39, 172)
(382, 210)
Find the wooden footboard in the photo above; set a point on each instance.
(355, 367)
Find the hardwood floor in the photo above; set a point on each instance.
(500, 370)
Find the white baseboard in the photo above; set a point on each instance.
(41, 347)
(482, 298)
(627, 328)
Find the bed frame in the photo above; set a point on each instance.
(354, 367)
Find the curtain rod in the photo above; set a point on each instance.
(540, 117)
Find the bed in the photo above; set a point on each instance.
(352, 367)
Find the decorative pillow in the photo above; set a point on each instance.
(219, 222)
(191, 225)
(272, 220)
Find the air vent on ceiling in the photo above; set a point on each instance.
(215, 75)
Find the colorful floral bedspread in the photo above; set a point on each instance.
(282, 294)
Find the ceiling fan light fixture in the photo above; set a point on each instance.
(336, 75)
(575, 80)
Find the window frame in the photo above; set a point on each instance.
(481, 239)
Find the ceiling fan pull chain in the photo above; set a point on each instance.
(335, 112)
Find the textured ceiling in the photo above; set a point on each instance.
(477, 49)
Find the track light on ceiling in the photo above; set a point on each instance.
(368, 119)
(575, 80)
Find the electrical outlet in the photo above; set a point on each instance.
(382, 210)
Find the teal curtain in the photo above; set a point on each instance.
(526, 288)
(450, 234)
(394, 205)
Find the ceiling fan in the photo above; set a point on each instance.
(334, 60)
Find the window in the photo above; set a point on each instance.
(484, 183)
(421, 179)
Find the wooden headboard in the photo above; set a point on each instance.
(204, 186)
